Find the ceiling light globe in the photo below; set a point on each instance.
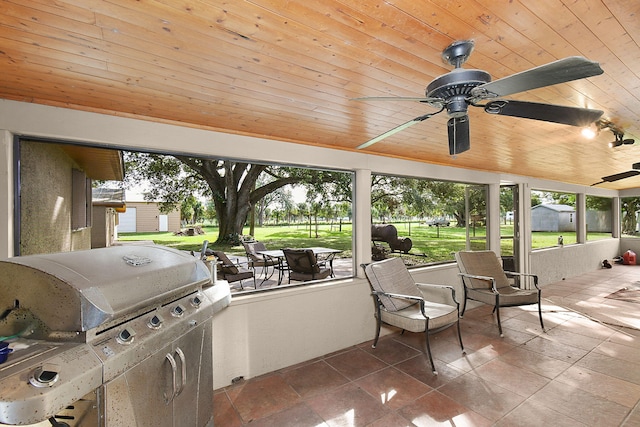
(588, 133)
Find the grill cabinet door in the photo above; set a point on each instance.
(194, 405)
(141, 395)
(156, 393)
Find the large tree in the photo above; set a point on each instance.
(234, 187)
(423, 197)
(630, 207)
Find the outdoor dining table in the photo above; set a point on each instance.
(278, 254)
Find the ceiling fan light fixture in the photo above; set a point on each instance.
(588, 132)
(620, 139)
(616, 143)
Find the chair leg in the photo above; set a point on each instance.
(460, 336)
(497, 310)
(540, 314)
(378, 324)
(464, 299)
(426, 337)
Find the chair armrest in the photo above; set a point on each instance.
(237, 263)
(390, 295)
(409, 297)
(485, 278)
(516, 274)
(443, 294)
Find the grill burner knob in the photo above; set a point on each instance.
(177, 311)
(196, 301)
(126, 336)
(155, 322)
(44, 377)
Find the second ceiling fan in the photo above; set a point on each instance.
(460, 88)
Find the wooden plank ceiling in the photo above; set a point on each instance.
(287, 70)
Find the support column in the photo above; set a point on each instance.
(6, 194)
(581, 218)
(493, 215)
(615, 218)
(362, 219)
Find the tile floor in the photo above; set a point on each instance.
(581, 372)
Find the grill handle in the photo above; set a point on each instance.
(183, 368)
(174, 370)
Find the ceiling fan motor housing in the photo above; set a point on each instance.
(455, 88)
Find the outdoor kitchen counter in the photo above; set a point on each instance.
(220, 295)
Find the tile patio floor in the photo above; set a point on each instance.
(581, 372)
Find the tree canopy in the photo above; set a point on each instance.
(392, 196)
(234, 187)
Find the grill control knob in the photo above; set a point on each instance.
(44, 376)
(155, 322)
(196, 301)
(177, 311)
(126, 336)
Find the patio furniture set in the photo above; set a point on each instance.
(298, 264)
(398, 300)
(426, 308)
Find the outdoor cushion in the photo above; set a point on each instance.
(227, 267)
(411, 318)
(303, 265)
(482, 263)
(391, 276)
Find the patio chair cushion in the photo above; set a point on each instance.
(303, 265)
(229, 271)
(411, 318)
(482, 263)
(509, 296)
(392, 276)
(256, 260)
(227, 267)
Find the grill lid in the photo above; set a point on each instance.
(80, 290)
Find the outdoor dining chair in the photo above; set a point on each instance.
(303, 265)
(257, 260)
(231, 272)
(484, 280)
(415, 307)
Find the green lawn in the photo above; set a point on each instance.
(272, 236)
(430, 244)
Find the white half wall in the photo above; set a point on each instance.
(559, 263)
(263, 333)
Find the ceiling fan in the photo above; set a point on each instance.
(621, 175)
(459, 88)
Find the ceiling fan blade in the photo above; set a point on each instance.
(458, 130)
(572, 116)
(561, 71)
(397, 129)
(617, 177)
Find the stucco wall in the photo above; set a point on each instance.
(45, 202)
(558, 263)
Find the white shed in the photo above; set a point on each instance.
(552, 217)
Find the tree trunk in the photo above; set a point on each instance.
(234, 191)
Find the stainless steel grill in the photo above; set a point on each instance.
(118, 336)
